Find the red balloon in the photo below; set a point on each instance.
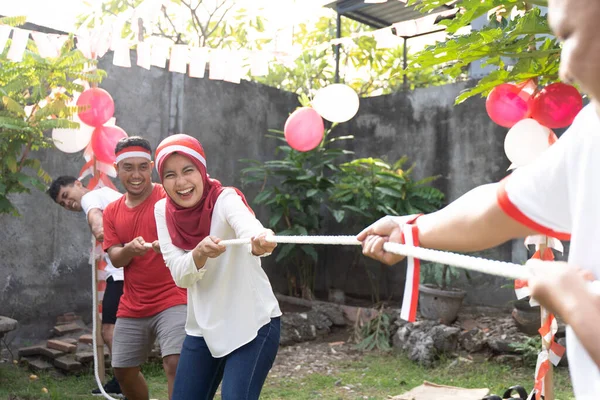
(104, 140)
(304, 129)
(507, 104)
(100, 107)
(556, 105)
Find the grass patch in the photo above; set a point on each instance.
(374, 376)
(379, 376)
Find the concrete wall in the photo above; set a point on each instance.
(43, 254)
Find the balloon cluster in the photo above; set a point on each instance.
(531, 115)
(97, 134)
(304, 129)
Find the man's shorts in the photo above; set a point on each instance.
(134, 337)
(110, 301)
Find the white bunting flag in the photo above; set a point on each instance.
(160, 53)
(180, 55)
(259, 64)
(198, 60)
(218, 65)
(233, 67)
(144, 52)
(19, 43)
(122, 55)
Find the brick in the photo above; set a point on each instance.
(30, 351)
(39, 365)
(65, 319)
(68, 363)
(85, 357)
(51, 353)
(69, 340)
(87, 338)
(67, 328)
(62, 346)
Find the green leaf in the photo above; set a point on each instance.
(12, 106)
(310, 250)
(312, 192)
(11, 163)
(338, 215)
(284, 251)
(262, 197)
(275, 218)
(389, 192)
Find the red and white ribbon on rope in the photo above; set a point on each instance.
(521, 288)
(413, 273)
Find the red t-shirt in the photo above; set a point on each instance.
(148, 288)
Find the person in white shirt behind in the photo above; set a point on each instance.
(557, 195)
(233, 324)
(69, 193)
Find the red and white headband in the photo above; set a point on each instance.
(131, 152)
(165, 151)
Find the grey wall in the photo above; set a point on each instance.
(43, 254)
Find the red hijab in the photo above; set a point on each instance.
(188, 226)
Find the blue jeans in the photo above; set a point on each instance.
(243, 371)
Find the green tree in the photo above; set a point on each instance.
(517, 41)
(30, 110)
(366, 68)
(194, 22)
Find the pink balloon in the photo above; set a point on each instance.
(304, 129)
(507, 104)
(100, 107)
(104, 140)
(556, 105)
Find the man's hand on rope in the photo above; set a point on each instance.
(387, 229)
(558, 285)
(260, 245)
(136, 247)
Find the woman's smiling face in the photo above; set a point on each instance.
(182, 180)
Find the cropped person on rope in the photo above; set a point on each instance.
(556, 195)
(152, 306)
(233, 324)
(70, 194)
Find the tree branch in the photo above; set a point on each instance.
(196, 22)
(220, 19)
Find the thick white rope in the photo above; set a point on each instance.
(478, 264)
(492, 267)
(95, 321)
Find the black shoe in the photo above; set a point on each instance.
(112, 388)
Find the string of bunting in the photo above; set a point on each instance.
(224, 64)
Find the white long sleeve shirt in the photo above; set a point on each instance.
(230, 298)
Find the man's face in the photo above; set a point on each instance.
(69, 197)
(575, 22)
(135, 174)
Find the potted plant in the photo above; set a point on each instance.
(438, 301)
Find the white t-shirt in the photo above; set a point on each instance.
(100, 198)
(230, 298)
(559, 195)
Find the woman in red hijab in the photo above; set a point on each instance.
(232, 325)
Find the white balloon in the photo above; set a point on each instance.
(72, 140)
(525, 141)
(336, 103)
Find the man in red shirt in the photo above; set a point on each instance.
(152, 306)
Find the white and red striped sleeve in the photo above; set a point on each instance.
(537, 195)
